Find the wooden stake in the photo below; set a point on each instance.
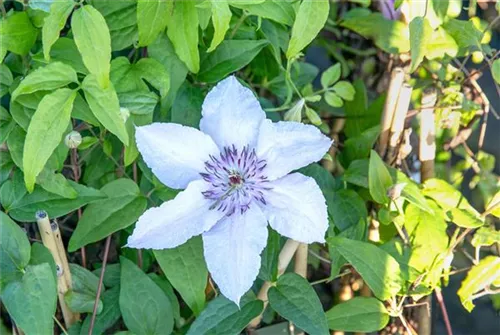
(427, 146)
(398, 122)
(51, 238)
(427, 154)
(397, 79)
(284, 259)
(300, 266)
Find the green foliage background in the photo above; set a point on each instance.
(75, 78)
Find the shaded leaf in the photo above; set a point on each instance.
(359, 314)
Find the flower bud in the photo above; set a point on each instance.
(73, 139)
(394, 191)
(124, 113)
(295, 113)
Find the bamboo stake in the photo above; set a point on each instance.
(398, 122)
(427, 154)
(284, 259)
(300, 265)
(427, 146)
(51, 238)
(397, 79)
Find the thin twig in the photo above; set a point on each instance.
(76, 177)
(440, 300)
(60, 325)
(99, 287)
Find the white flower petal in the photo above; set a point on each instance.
(175, 153)
(175, 221)
(287, 146)
(296, 208)
(232, 251)
(231, 114)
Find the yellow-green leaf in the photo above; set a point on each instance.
(45, 132)
(93, 41)
(379, 179)
(183, 32)
(311, 18)
(221, 16)
(420, 34)
(152, 18)
(59, 13)
(17, 34)
(49, 77)
(105, 106)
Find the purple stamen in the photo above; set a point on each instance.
(236, 180)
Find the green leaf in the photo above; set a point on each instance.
(153, 71)
(121, 19)
(269, 257)
(56, 183)
(495, 70)
(49, 77)
(83, 280)
(221, 17)
(311, 18)
(355, 232)
(485, 236)
(186, 270)
(152, 19)
(222, 316)
(294, 299)
(14, 249)
(359, 147)
(446, 196)
(465, 34)
(93, 41)
(31, 301)
(276, 10)
(345, 90)
(441, 44)
(24, 210)
(105, 105)
(108, 317)
(186, 109)
(379, 270)
(40, 255)
(481, 276)
(122, 208)
(138, 102)
(346, 208)
(6, 79)
(144, 306)
(183, 32)
(64, 50)
(45, 132)
(169, 292)
(420, 33)
(392, 36)
(379, 179)
(333, 99)
(6, 124)
(54, 23)
(17, 33)
(230, 56)
(163, 51)
(464, 218)
(331, 75)
(81, 111)
(81, 302)
(360, 314)
(427, 234)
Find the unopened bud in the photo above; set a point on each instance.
(73, 139)
(124, 113)
(295, 113)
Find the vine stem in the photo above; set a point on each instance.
(440, 300)
(101, 279)
(284, 259)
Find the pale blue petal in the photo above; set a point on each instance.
(296, 208)
(175, 221)
(287, 146)
(232, 251)
(231, 114)
(176, 154)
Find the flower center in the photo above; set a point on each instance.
(235, 180)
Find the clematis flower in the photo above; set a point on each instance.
(237, 177)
